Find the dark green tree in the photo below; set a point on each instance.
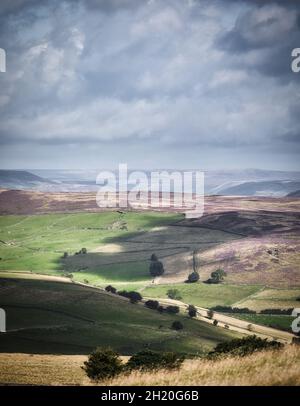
(103, 363)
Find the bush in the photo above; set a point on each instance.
(193, 277)
(174, 294)
(215, 322)
(134, 297)
(153, 258)
(217, 276)
(172, 309)
(244, 346)
(177, 325)
(83, 251)
(111, 289)
(65, 255)
(149, 360)
(103, 364)
(192, 311)
(152, 304)
(229, 309)
(160, 309)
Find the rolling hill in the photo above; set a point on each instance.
(45, 317)
(13, 179)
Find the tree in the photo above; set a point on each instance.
(111, 289)
(152, 304)
(193, 277)
(156, 267)
(217, 276)
(134, 297)
(192, 311)
(153, 258)
(103, 364)
(177, 325)
(160, 309)
(148, 360)
(174, 294)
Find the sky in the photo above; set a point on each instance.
(203, 84)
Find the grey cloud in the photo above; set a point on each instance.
(83, 77)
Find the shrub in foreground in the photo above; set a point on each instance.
(149, 360)
(103, 364)
(244, 346)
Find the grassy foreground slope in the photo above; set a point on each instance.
(264, 368)
(270, 368)
(63, 318)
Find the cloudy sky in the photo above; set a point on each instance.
(159, 83)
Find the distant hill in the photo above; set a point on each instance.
(12, 179)
(275, 188)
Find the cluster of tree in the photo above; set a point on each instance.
(105, 363)
(244, 346)
(155, 305)
(229, 309)
(156, 267)
(216, 276)
(134, 297)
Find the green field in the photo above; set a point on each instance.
(37, 243)
(53, 317)
(204, 295)
(273, 299)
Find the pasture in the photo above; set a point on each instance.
(46, 317)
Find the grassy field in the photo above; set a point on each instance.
(118, 245)
(272, 299)
(36, 243)
(280, 322)
(204, 295)
(263, 368)
(52, 317)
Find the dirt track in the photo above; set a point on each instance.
(234, 324)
